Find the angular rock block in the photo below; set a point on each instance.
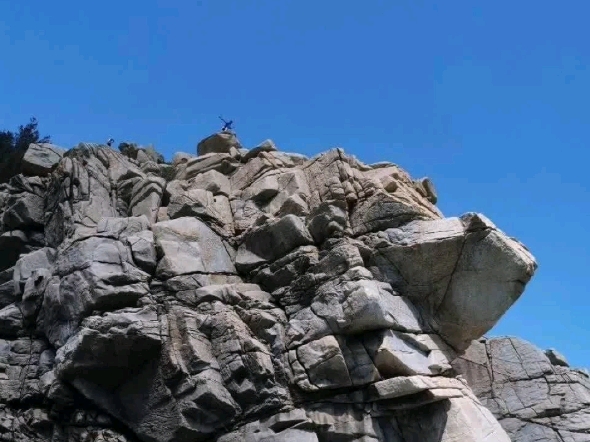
(41, 159)
(272, 241)
(222, 142)
(475, 272)
(188, 245)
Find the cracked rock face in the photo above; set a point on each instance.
(534, 394)
(253, 295)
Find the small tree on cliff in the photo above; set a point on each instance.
(129, 149)
(13, 146)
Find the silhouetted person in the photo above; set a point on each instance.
(227, 125)
(110, 142)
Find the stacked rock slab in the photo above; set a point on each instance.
(242, 295)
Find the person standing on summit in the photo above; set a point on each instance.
(227, 125)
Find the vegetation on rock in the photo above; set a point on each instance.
(13, 146)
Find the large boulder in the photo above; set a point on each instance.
(187, 245)
(222, 142)
(272, 241)
(475, 272)
(41, 159)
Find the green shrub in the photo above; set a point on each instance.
(129, 149)
(13, 147)
(155, 156)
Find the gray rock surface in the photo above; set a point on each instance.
(251, 295)
(41, 159)
(532, 393)
(223, 142)
(475, 272)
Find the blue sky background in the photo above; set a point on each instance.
(489, 100)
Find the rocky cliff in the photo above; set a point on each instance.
(534, 394)
(257, 295)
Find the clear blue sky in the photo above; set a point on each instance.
(489, 100)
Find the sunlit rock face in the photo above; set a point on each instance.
(244, 295)
(535, 395)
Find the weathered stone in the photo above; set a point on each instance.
(222, 142)
(533, 398)
(146, 197)
(212, 181)
(29, 263)
(365, 306)
(328, 220)
(292, 426)
(187, 245)
(25, 210)
(96, 274)
(463, 256)
(382, 211)
(123, 227)
(324, 364)
(261, 296)
(293, 205)
(399, 354)
(271, 242)
(143, 250)
(162, 214)
(41, 159)
(200, 203)
(408, 385)
(427, 190)
(257, 167)
(11, 321)
(262, 190)
(265, 146)
(284, 271)
(220, 162)
(33, 292)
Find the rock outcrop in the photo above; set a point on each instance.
(252, 295)
(534, 394)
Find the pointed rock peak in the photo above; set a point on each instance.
(265, 146)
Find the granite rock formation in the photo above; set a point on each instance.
(251, 295)
(534, 394)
